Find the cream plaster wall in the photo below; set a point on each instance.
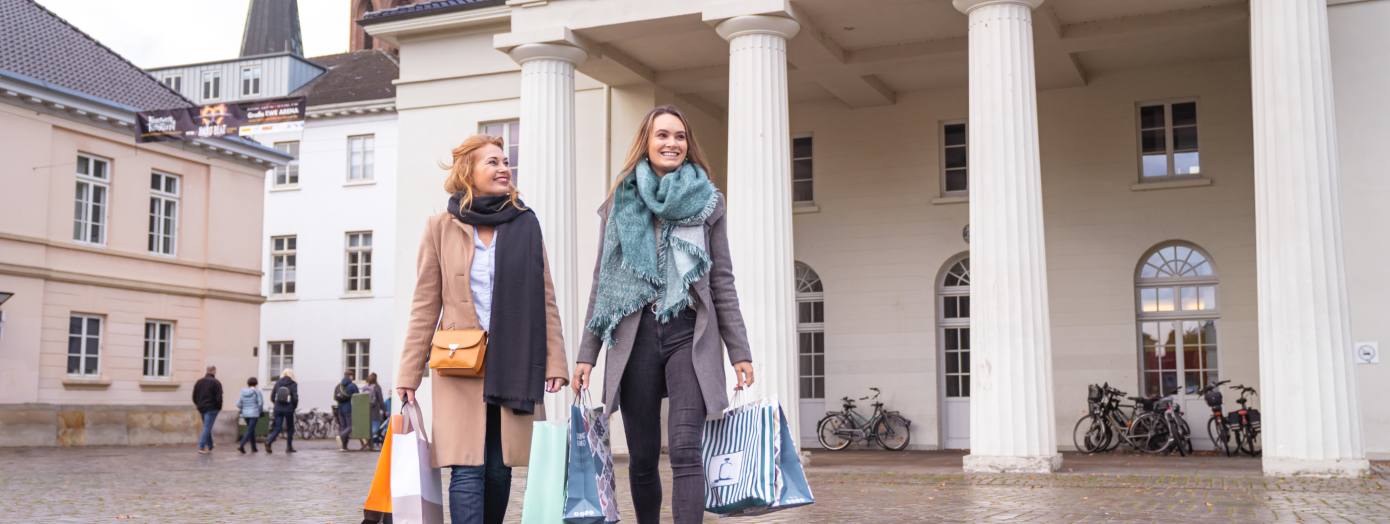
(1361, 77)
(209, 287)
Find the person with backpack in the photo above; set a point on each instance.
(207, 397)
(285, 395)
(251, 404)
(342, 394)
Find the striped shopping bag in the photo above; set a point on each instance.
(751, 464)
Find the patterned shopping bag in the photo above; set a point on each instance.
(589, 482)
(751, 463)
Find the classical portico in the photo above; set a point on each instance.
(1041, 204)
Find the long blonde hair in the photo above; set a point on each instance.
(638, 151)
(460, 178)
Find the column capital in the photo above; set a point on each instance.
(758, 24)
(528, 52)
(966, 6)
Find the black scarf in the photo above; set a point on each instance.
(514, 370)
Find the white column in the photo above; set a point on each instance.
(1308, 392)
(547, 172)
(1012, 421)
(760, 197)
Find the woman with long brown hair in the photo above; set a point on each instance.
(664, 303)
(482, 265)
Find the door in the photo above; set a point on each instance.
(810, 344)
(953, 341)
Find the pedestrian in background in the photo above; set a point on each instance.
(207, 397)
(343, 393)
(251, 405)
(285, 395)
(378, 407)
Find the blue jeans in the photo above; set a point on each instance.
(209, 418)
(478, 494)
(250, 433)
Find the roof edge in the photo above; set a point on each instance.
(422, 10)
(87, 109)
(153, 70)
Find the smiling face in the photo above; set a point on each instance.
(667, 143)
(492, 174)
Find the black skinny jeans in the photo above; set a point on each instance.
(661, 365)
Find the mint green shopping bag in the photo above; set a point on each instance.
(545, 476)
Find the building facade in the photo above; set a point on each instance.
(131, 267)
(977, 207)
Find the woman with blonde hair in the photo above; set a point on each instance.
(664, 303)
(285, 396)
(482, 265)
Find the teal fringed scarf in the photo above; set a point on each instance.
(634, 271)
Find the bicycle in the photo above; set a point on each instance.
(1176, 434)
(838, 429)
(1217, 428)
(1106, 424)
(1245, 422)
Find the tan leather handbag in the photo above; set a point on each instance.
(458, 352)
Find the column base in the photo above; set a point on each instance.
(1294, 467)
(1004, 464)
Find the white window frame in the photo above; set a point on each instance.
(174, 82)
(90, 216)
(357, 355)
(279, 355)
(941, 166)
(362, 160)
(506, 129)
(284, 259)
(957, 292)
(164, 217)
(812, 179)
(358, 255)
(1178, 314)
(251, 80)
(159, 348)
(85, 350)
(212, 85)
(1168, 142)
(807, 283)
(290, 171)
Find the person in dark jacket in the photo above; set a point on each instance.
(285, 396)
(378, 407)
(207, 397)
(342, 394)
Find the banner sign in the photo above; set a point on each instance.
(223, 119)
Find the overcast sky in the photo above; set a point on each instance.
(155, 33)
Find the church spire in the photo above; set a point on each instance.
(272, 26)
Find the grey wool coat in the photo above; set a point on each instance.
(718, 323)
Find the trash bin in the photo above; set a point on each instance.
(361, 416)
(262, 426)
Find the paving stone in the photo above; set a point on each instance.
(322, 485)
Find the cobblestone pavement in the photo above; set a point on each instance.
(320, 485)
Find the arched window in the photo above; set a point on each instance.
(810, 331)
(954, 320)
(1175, 292)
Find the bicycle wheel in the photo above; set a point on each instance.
(1249, 442)
(828, 431)
(1182, 436)
(1220, 436)
(1089, 435)
(893, 433)
(1148, 433)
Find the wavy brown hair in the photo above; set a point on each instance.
(461, 169)
(638, 151)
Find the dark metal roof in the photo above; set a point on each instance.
(427, 8)
(352, 77)
(38, 44)
(272, 26)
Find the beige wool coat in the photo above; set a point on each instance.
(443, 297)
